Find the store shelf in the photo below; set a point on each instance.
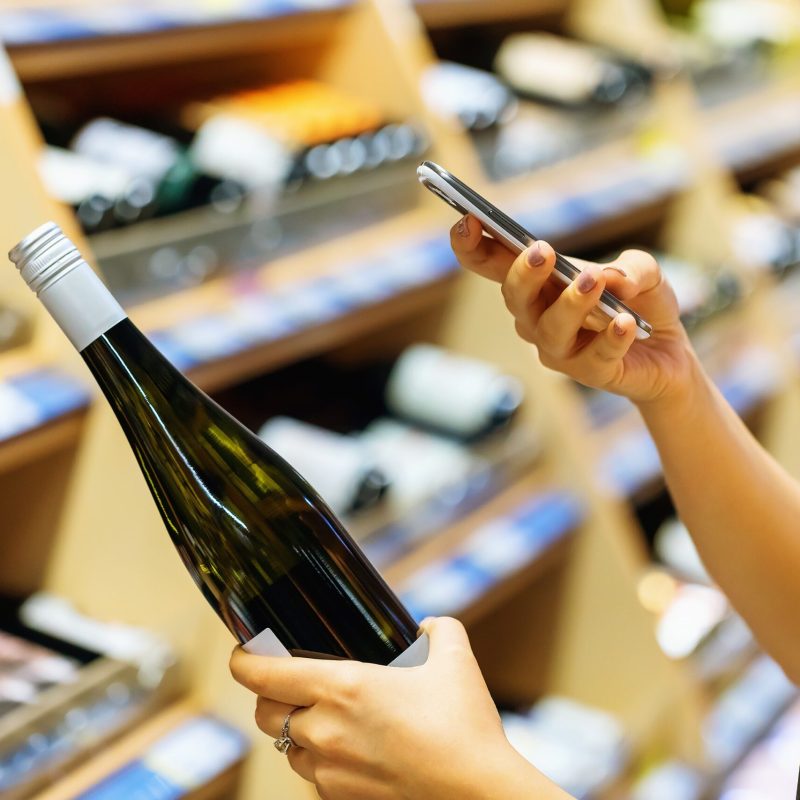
(55, 41)
(728, 747)
(769, 770)
(593, 197)
(41, 412)
(629, 464)
(236, 328)
(178, 753)
(471, 568)
(387, 534)
(759, 133)
(453, 13)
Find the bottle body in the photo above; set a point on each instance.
(260, 544)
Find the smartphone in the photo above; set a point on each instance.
(501, 227)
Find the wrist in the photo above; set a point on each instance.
(509, 776)
(681, 394)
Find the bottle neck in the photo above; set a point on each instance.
(82, 305)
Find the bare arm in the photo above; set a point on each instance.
(741, 507)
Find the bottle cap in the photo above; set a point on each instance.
(44, 256)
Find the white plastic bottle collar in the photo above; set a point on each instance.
(67, 286)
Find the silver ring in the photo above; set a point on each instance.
(284, 741)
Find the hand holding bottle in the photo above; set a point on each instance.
(365, 732)
(555, 319)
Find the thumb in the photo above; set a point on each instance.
(447, 636)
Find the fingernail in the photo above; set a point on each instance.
(587, 281)
(535, 256)
(619, 329)
(617, 269)
(462, 229)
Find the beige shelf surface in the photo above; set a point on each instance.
(449, 539)
(323, 261)
(52, 435)
(453, 13)
(85, 57)
(130, 747)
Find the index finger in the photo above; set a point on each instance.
(294, 681)
(478, 253)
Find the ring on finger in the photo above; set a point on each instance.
(285, 741)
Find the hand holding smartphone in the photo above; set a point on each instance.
(510, 233)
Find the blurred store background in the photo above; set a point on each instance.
(242, 173)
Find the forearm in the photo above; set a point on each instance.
(506, 776)
(741, 507)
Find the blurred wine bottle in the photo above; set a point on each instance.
(569, 73)
(329, 133)
(476, 98)
(91, 187)
(340, 467)
(461, 397)
(761, 228)
(161, 174)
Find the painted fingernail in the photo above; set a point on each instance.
(619, 328)
(462, 229)
(535, 257)
(616, 269)
(586, 281)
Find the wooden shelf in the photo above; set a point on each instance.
(757, 134)
(447, 544)
(387, 534)
(592, 198)
(397, 244)
(133, 747)
(50, 420)
(41, 441)
(86, 56)
(552, 557)
(317, 339)
(455, 13)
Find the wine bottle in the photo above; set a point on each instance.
(461, 397)
(264, 549)
(338, 466)
(568, 73)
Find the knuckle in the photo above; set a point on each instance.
(349, 684)
(646, 261)
(455, 624)
(324, 779)
(330, 742)
(261, 716)
(605, 356)
(547, 359)
(546, 341)
(293, 757)
(299, 765)
(507, 291)
(523, 331)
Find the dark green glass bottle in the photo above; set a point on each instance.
(261, 545)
